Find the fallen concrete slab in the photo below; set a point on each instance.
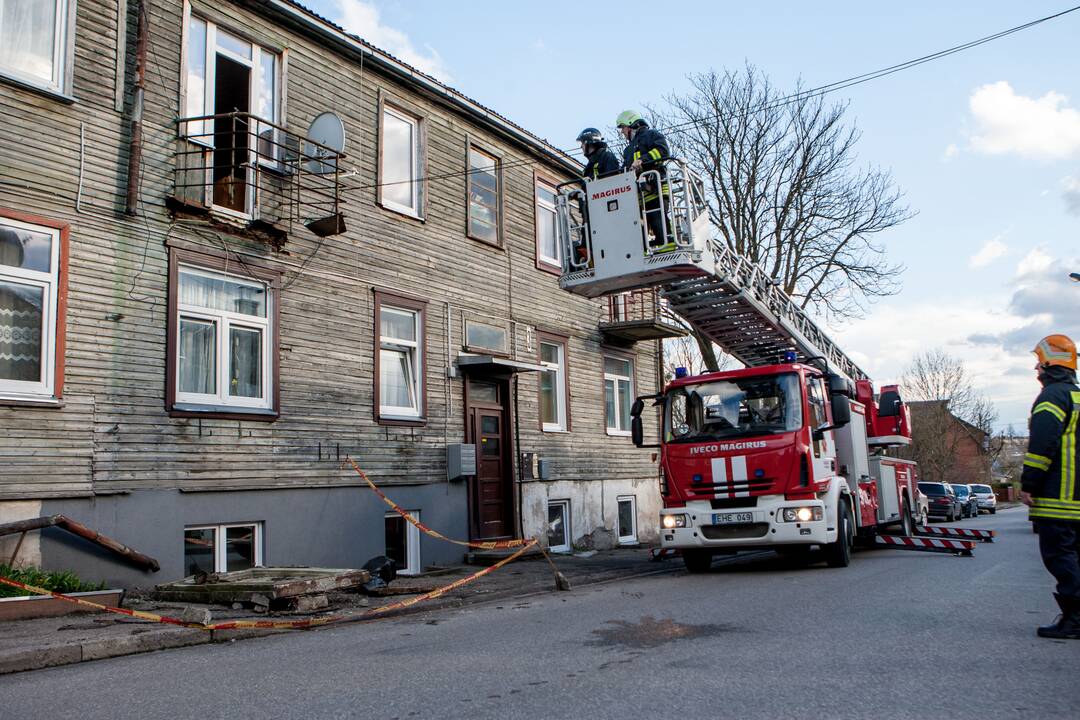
(261, 587)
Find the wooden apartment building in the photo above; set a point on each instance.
(238, 245)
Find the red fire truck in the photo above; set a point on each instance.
(785, 454)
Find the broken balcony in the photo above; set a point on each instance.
(639, 315)
(247, 173)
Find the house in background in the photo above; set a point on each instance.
(238, 245)
(947, 448)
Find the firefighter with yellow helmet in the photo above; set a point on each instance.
(1049, 480)
(647, 149)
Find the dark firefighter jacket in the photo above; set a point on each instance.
(601, 163)
(1050, 465)
(650, 146)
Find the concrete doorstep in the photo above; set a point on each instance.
(49, 642)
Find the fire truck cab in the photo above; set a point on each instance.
(602, 227)
(771, 457)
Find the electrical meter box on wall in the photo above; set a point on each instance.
(460, 460)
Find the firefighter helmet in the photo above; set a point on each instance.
(590, 135)
(1056, 350)
(628, 118)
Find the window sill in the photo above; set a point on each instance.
(39, 90)
(556, 431)
(403, 420)
(494, 245)
(27, 402)
(403, 211)
(222, 412)
(618, 433)
(548, 267)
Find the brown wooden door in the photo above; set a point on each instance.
(492, 486)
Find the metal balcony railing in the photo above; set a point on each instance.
(639, 315)
(242, 168)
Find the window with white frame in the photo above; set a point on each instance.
(403, 542)
(627, 519)
(558, 526)
(618, 394)
(399, 161)
(29, 290)
(553, 416)
(485, 201)
(400, 362)
(36, 42)
(225, 73)
(222, 548)
(547, 245)
(223, 340)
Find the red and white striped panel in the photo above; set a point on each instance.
(970, 533)
(921, 543)
(663, 553)
(729, 476)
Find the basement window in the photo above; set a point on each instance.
(558, 526)
(222, 548)
(403, 542)
(628, 520)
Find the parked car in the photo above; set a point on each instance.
(985, 495)
(942, 499)
(969, 504)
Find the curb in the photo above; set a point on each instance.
(85, 651)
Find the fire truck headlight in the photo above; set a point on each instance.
(674, 521)
(802, 514)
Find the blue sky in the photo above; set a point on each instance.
(985, 144)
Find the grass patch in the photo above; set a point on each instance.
(63, 581)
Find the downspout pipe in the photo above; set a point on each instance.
(134, 174)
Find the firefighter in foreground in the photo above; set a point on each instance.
(1049, 480)
(647, 149)
(600, 161)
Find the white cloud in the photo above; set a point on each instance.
(993, 334)
(989, 252)
(361, 18)
(1070, 191)
(1035, 262)
(950, 153)
(1044, 128)
(539, 44)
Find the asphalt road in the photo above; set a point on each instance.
(895, 635)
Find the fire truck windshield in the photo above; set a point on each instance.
(724, 409)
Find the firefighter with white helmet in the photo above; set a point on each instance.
(647, 149)
(600, 161)
(1049, 479)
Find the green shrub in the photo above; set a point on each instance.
(63, 581)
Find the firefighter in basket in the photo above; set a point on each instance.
(1049, 480)
(600, 161)
(647, 149)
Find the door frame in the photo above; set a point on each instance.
(509, 463)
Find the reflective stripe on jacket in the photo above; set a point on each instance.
(1050, 465)
(601, 163)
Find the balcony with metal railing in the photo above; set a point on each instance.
(639, 315)
(251, 174)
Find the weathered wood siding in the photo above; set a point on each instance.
(113, 434)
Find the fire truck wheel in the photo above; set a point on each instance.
(838, 554)
(908, 521)
(697, 561)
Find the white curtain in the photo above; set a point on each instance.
(198, 341)
(27, 37)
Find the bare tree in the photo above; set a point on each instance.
(687, 352)
(949, 413)
(784, 187)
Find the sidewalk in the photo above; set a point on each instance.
(47, 642)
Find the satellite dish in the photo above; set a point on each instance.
(326, 130)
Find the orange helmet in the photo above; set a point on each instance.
(1056, 350)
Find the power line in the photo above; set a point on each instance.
(780, 102)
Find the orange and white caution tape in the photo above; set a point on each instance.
(477, 544)
(278, 624)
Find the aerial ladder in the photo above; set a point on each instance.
(603, 229)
